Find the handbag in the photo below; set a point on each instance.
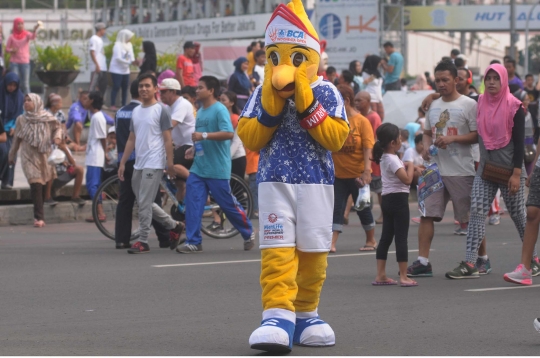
(496, 172)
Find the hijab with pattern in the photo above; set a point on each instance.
(36, 131)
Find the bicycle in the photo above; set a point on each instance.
(108, 194)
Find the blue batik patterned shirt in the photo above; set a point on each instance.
(292, 156)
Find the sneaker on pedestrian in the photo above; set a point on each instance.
(419, 270)
(535, 266)
(7, 187)
(79, 201)
(537, 324)
(139, 248)
(494, 219)
(214, 226)
(121, 246)
(174, 235)
(416, 220)
(51, 202)
(464, 270)
(460, 231)
(520, 275)
(249, 243)
(483, 266)
(189, 249)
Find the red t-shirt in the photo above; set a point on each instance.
(375, 120)
(186, 65)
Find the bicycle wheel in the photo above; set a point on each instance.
(108, 194)
(240, 190)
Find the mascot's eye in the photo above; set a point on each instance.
(297, 58)
(274, 57)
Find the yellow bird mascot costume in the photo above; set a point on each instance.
(295, 119)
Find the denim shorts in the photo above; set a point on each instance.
(534, 188)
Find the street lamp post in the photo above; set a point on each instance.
(527, 36)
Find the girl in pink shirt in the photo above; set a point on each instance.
(18, 45)
(396, 179)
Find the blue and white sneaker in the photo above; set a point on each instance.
(313, 332)
(275, 335)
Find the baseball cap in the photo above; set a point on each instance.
(100, 26)
(170, 84)
(111, 130)
(189, 44)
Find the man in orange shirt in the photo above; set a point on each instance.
(362, 104)
(352, 166)
(184, 66)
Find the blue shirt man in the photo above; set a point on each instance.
(393, 68)
(211, 169)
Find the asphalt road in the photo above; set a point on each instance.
(65, 290)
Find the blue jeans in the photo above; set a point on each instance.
(254, 187)
(93, 180)
(23, 71)
(119, 81)
(196, 194)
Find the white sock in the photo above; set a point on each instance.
(483, 257)
(423, 260)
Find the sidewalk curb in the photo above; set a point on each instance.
(63, 212)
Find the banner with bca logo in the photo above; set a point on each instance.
(351, 29)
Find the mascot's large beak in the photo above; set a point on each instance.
(283, 79)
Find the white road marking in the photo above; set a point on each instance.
(246, 261)
(500, 288)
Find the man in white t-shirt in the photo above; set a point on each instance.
(150, 137)
(451, 127)
(414, 155)
(183, 122)
(98, 63)
(95, 148)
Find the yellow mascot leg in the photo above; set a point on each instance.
(279, 267)
(310, 329)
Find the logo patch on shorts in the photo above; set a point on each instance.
(273, 226)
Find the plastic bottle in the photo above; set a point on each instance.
(199, 150)
(433, 150)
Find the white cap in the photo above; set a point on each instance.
(463, 57)
(112, 130)
(286, 28)
(170, 84)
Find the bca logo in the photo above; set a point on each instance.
(291, 34)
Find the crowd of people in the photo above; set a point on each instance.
(482, 141)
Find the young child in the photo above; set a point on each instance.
(404, 136)
(396, 179)
(111, 156)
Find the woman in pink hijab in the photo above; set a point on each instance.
(421, 84)
(501, 136)
(18, 45)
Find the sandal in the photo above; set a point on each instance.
(39, 223)
(390, 282)
(368, 248)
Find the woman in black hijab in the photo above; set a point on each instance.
(150, 58)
